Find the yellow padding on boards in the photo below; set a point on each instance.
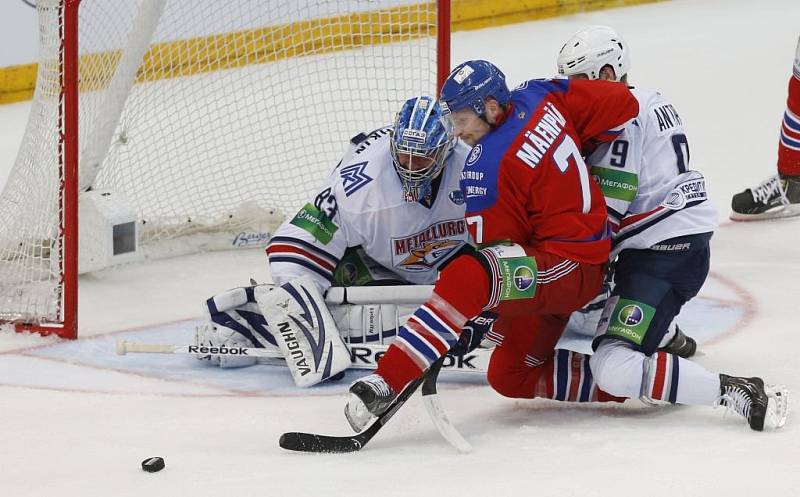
(478, 14)
(316, 36)
(17, 83)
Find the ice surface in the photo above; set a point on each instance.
(76, 420)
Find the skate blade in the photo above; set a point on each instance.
(778, 406)
(784, 211)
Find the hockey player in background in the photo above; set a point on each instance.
(662, 221)
(542, 222)
(779, 195)
(391, 212)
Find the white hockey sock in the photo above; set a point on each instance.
(696, 385)
(669, 378)
(662, 377)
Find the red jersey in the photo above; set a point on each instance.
(526, 181)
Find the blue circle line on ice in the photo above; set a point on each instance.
(90, 364)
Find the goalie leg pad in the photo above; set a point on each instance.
(305, 330)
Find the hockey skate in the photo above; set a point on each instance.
(762, 406)
(778, 196)
(681, 345)
(369, 397)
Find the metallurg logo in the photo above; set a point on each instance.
(423, 250)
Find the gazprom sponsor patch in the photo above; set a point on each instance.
(415, 135)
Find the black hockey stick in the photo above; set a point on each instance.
(310, 442)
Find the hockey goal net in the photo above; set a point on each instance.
(201, 117)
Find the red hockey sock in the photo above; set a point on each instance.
(464, 285)
(566, 377)
(460, 293)
(789, 146)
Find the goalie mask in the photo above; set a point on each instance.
(421, 140)
(590, 50)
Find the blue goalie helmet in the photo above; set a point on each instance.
(422, 138)
(470, 83)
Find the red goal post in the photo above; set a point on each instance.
(162, 110)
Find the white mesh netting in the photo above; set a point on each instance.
(204, 114)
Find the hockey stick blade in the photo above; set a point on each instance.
(447, 429)
(311, 442)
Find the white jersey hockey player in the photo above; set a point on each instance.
(662, 221)
(409, 227)
(651, 193)
(391, 210)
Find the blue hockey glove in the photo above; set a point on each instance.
(473, 332)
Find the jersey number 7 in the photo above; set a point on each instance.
(565, 151)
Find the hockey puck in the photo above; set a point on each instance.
(153, 464)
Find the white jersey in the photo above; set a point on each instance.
(651, 193)
(362, 204)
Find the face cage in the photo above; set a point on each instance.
(416, 184)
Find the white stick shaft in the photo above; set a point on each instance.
(124, 347)
(363, 356)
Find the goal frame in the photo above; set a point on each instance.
(69, 159)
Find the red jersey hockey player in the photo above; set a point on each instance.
(529, 195)
(779, 195)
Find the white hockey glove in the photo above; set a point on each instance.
(234, 320)
(304, 329)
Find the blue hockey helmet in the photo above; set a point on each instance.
(470, 83)
(422, 130)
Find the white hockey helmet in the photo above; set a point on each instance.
(591, 49)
